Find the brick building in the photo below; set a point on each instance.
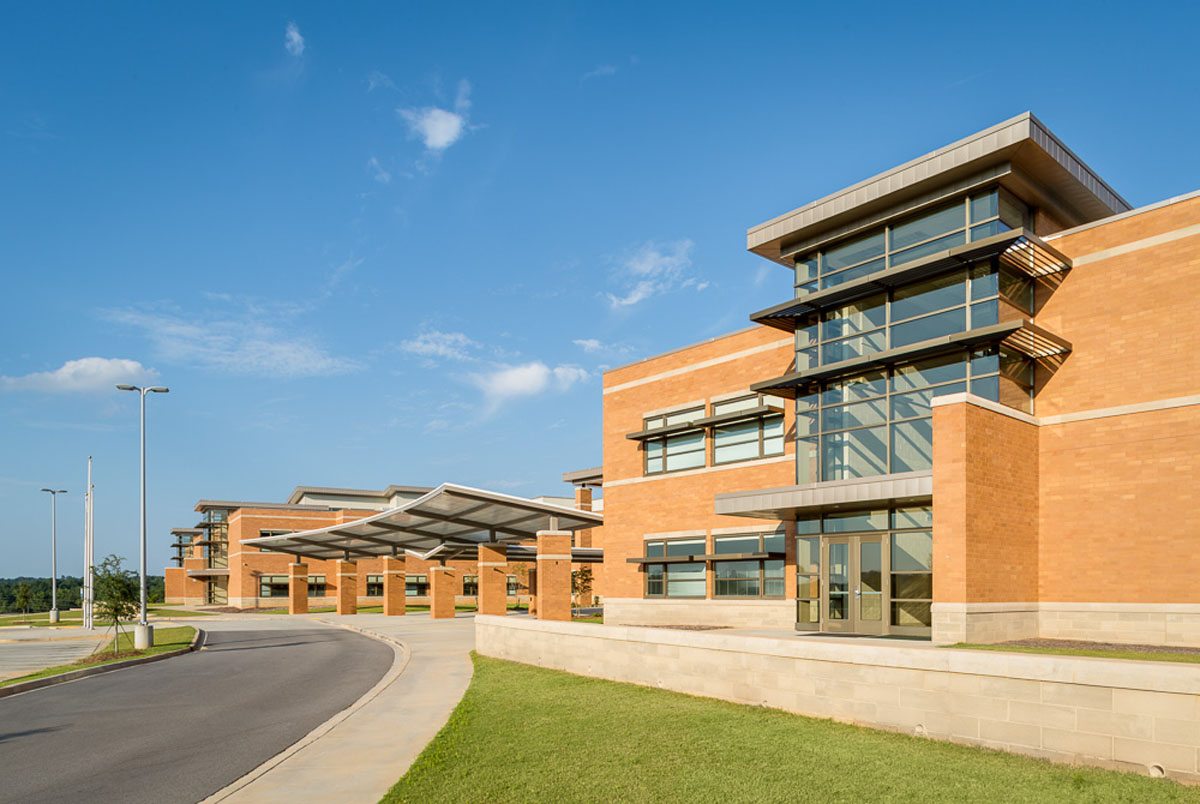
(216, 568)
(976, 417)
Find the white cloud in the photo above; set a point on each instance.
(595, 346)
(439, 128)
(378, 172)
(378, 80)
(527, 379)
(293, 42)
(600, 71)
(82, 375)
(447, 345)
(652, 269)
(589, 345)
(238, 344)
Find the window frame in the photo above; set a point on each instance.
(665, 567)
(266, 582)
(761, 420)
(663, 442)
(761, 537)
(376, 583)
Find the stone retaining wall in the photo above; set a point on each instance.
(1140, 716)
(732, 613)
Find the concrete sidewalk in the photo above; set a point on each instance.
(362, 755)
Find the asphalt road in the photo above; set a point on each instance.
(181, 729)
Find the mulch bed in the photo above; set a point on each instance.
(1079, 644)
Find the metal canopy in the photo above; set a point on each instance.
(447, 523)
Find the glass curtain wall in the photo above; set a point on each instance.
(954, 302)
(881, 421)
(965, 220)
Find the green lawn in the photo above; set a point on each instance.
(41, 619)
(1099, 653)
(524, 733)
(165, 640)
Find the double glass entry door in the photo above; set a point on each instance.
(854, 578)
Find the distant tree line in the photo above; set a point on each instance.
(70, 590)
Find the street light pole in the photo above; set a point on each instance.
(54, 552)
(143, 635)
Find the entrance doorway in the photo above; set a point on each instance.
(855, 578)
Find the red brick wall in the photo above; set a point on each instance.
(680, 502)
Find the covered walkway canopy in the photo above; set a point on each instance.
(448, 523)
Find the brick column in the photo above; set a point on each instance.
(442, 583)
(493, 579)
(531, 577)
(394, 599)
(583, 498)
(297, 589)
(347, 587)
(554, 575)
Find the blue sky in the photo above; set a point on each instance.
(398, 243)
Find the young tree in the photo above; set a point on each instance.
(118, 594)
(23, 597)
(581, 585)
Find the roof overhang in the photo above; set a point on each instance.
(449, 522)
(209, 572)
(1020, 153)
(585, 477)
(813, 498)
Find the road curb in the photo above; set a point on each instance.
(75, 675)
(402, 655)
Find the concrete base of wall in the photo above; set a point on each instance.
(1141, 716)
(983, 622)
(1176, 624)
(729, 613)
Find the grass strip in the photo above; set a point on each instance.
(525, 733)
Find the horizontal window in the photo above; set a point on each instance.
(931, 326)
(969, 218)
(316, 586)
(272, 586)
(374, 586)
(416, 585)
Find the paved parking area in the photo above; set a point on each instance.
(27, 650)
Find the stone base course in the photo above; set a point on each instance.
(731, 613)
(1127, 623)
(1140, 716)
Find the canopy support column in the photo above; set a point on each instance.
(394, 580)
(298, 588)
(442, 591)
(493, 579)
(554, 575)
(347, 587)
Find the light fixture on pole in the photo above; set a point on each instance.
(54, 551)
(89, 592)
(143, 634)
